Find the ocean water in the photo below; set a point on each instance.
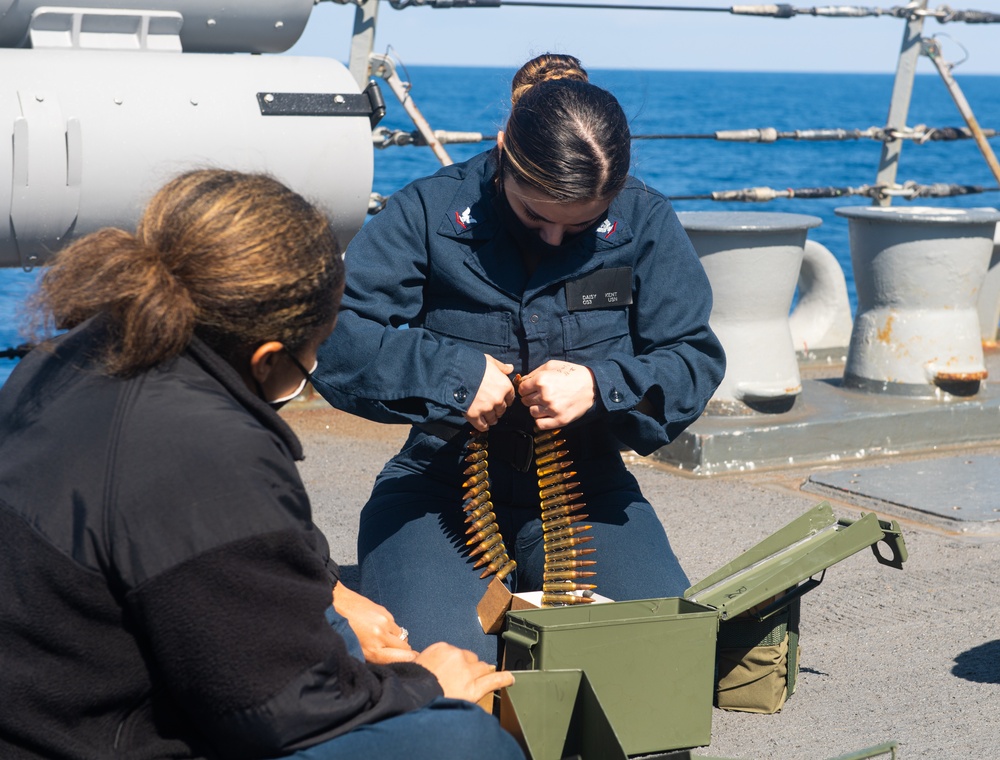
(663, 102)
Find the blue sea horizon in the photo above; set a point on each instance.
(693, 102)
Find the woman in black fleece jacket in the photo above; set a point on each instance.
(163, 590)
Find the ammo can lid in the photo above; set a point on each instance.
(806, 546)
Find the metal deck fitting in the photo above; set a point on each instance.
(829, 423)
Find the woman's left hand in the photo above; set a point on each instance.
(382, 641)
(557, 393)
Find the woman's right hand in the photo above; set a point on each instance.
(461, 674)
(495, 394)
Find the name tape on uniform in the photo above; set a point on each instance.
(604, 289)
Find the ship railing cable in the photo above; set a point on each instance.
(943, 14)
(919, 134)
(383, 137)
(909, 190)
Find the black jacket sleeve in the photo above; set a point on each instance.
(239, 636)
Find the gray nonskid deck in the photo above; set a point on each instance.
(911, 655)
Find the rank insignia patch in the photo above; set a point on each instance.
(464, 219)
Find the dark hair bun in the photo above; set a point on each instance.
(545, 68)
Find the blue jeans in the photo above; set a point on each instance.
(446, 729)
(414, 561)
(342, 627)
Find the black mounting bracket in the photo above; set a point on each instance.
(368, 103)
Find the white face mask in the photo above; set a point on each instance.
(277, 403)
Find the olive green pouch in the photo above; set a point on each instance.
(757, 661)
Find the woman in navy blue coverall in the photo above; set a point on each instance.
(544, 258)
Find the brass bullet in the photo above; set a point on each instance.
(491, 555)
(567, 586)
(506, 570)
(476, 456)
(555, 535)
(495, 565)
(566, 543)
(568, 564)
(477, 489)
(477, 513)
(554, 467)
(548, 435)
(477, 501)
(488, 543)
(558, 599)
(476, 479)
(482, 522)
(546, 493)
(562, 522)
(545, 448)
(567, 554)
(550, 457)
(558, 506)
(551, 480)
(566, 575)
(489, 530)
(475, 467)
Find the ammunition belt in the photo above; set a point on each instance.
(562, 530)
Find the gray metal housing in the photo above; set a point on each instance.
(96, 132)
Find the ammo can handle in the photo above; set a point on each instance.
(526, 642)
(892, 537)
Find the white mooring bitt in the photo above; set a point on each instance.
(821, 319)
(989, 296)
(752, 260)
(918, 273)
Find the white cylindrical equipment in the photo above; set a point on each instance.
(752, 260)
(208, 26)
(95, 133)
(918, 271)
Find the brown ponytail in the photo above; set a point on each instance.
(237, 259)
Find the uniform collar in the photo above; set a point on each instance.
(471, 214)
